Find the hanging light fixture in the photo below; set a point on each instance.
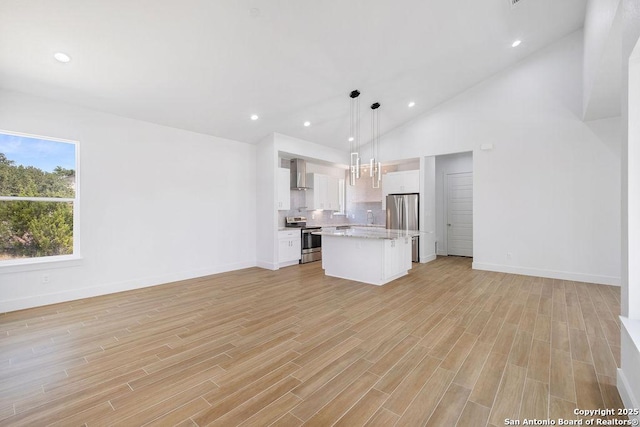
(375, 168)
(354, 137)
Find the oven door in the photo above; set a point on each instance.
(310, 241)
(311, 247)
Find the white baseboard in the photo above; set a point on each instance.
(626, 394)
(288, 263)
(428, 258)
(267, 265)
(111, 288)
(551, 274)
(628, 378)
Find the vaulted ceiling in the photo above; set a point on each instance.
(207, 66)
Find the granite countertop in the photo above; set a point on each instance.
(352, 225)
(333, 226)
(369, 233)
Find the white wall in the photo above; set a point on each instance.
(633, 186)
(333, 171)
(549, 191)
(309, 150)
(157, 204)
(269, 150)
(629, 372)
(630, 37)
(602, 56)
(428, 209)
(451, 163)
(266, 215)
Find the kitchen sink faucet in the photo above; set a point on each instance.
(370, 217)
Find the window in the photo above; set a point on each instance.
(38, 198)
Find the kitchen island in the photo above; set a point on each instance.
(369, 255)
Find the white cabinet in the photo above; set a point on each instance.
(400, 183)
(323, 193)
(289, 247)
(283, 193)
(317, 196)
(397, 256)
(333, 196)
(367, 260)
(391, 183)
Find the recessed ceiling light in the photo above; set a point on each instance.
(307, 124)
(516, 43)
(411, 104)
(254, 117)
(62, 57)
(351, 139)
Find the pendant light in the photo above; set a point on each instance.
(354, 137)
(375, 168)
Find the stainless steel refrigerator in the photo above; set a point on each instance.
(402, 214)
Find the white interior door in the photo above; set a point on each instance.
(460, 214)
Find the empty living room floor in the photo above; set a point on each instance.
(445, 345)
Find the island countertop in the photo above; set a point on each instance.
(369, 233)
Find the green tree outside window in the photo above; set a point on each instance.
(35, 228)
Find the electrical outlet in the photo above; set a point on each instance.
(45, 278)
(508, 255)
(313, 216)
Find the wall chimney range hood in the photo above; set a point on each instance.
(298, 174)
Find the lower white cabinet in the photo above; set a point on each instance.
(289, 247)
(397, 256)
(368, 260)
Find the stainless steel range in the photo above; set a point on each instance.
(311, 244)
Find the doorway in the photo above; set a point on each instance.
(454, 204)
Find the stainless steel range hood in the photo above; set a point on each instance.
(298, 174)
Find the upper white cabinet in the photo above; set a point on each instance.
(400, 183)
(323, 193)
(317, 197)
(284, 198)
(333, 193)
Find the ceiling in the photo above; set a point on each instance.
(207, 66)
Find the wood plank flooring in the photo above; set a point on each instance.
(443, 346)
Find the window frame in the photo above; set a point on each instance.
(52, 261)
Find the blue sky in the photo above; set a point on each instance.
(41, 153)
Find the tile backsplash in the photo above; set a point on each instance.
(363, 202)
(357, 211)
(360, 214)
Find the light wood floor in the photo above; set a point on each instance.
(442, 346)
